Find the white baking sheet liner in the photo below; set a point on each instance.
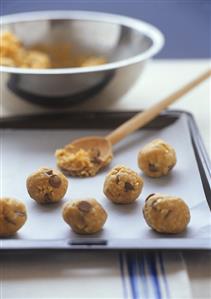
(24, 151)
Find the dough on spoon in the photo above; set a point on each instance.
(76, 161)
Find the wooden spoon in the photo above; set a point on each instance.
(103, 145)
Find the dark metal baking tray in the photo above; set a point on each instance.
(29, 143)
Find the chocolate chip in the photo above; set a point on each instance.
(128, 187)
(95, 156)
(55, 181)
(49, 172)
(152, 167)
(84, 206)
(149, 196)
(117, 179)
(95, 152)
(96, 160)
(47, 198)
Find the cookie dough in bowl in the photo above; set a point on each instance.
(166, 214)
(47, 185)
(84, 216)
(122, 185)
(157, 158)
(14, 54)
(12, 216)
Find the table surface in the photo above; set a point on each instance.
(46, 276)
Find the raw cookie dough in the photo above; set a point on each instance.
(12, 216)
(122, 185)
(93, 60)
(84, 216)
(166, 214)
(36, 60)
(13, 53)
(157, 158)
(76, 161)
(47, 185)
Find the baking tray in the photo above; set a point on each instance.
(28, 143)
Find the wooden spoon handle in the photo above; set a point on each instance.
(142, 118)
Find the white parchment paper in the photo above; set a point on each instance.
(24, 151)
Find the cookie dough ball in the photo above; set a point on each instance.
(122, 185)
(157, 158)
(166, 214)
(84, 216)
(47, 185)
(12, 216)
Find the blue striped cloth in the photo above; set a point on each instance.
(148, 275)
(90, 275)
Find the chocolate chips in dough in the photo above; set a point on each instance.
(84, 216)
(47, 185)
(122, 185)
(13, 215)
(166, 214)
(157, 158)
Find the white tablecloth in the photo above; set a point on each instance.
(174, 275)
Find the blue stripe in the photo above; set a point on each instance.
(160, 258)
(153, 271)
(131, 265)
(142, 272)
(121, 264)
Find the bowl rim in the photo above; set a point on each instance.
(149, 30)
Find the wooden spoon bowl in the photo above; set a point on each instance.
(99, 146)
(85, 156)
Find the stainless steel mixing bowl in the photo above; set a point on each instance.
(125, 42)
